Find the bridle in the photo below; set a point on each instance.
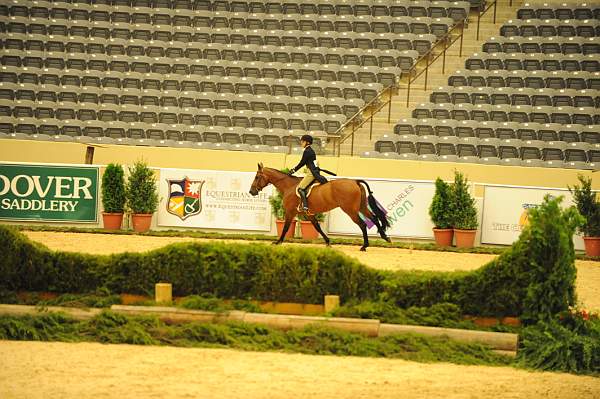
(262, 176)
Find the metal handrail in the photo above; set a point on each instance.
(358, 124)
(485, 10)
(448, 41)
(430, 56)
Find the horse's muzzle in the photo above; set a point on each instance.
(254, 192)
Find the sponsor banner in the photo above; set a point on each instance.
(505, 212)
(212, 199)
(48, 193)
(407, 206)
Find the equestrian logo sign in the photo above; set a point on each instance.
(185, 197)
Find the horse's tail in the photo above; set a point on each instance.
(375, 208)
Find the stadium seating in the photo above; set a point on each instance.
(162, 72)
(531, 98)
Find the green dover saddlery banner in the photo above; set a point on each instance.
(48, 193)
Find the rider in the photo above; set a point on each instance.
(309, 159)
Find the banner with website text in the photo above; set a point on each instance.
(505, 212)
(407, 206)
(48, 193)
(212, 199)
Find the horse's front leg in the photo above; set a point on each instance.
(286, 227)
(315, 223)
(290, 214)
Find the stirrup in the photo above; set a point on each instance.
(301, 209)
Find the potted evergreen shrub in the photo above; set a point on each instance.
(441, 213)
(589, 207)
(465, 212)
(113, 196)
(276, 201)
(309, 232)
(142, 196)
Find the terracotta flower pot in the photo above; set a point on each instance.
(112, 221)
(592, 246)
(308, 230)
(443, 237)
(141, 222)
(290, 232)
(465, 238)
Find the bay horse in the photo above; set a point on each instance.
(348, 194)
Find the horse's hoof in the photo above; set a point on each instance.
(328, 244)
(276, 242)
(388, 239)
(363, 249)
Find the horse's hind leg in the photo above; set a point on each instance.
(353, 211)
(315, 223)
(363, 227)
(380, 229)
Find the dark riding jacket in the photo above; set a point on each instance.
(308, 159)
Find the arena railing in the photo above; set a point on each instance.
(385, 97)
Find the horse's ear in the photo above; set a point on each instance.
(260, 166)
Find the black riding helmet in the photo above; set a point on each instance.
(308, 138)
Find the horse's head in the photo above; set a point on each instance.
(261, 180)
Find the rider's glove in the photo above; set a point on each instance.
(291, 172)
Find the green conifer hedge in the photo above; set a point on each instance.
(534, 279)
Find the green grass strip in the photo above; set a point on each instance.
(373, 242)
(109, 327)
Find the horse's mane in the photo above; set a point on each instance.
(280, 173)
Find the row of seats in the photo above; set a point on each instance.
(546, 45)
(177, 24)
(190, 85)
(104, 140)
(512, 96)
(437, 9)
(173, 115)
(452, 148)
(69, 86)
(482, 160)
(138, 133)
(328, 73)
(175, 55)
(501, 130)
(564, 10)
(203, 37)
(534, 61)
(534, 79)
(508, 113)
(551, 27)
(134, 98)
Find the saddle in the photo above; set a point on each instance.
(308, 189)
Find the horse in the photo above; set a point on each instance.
(348, 194)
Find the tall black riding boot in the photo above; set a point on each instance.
(302, 193)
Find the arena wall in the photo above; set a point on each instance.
(165, 157)
(182, 158)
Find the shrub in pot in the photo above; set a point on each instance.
(276, 201)
(441, 212)
(309, 232)
(589, 207)
(142, 196)
(113, 196)
(465, 212)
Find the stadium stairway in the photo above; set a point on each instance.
(399, 109)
